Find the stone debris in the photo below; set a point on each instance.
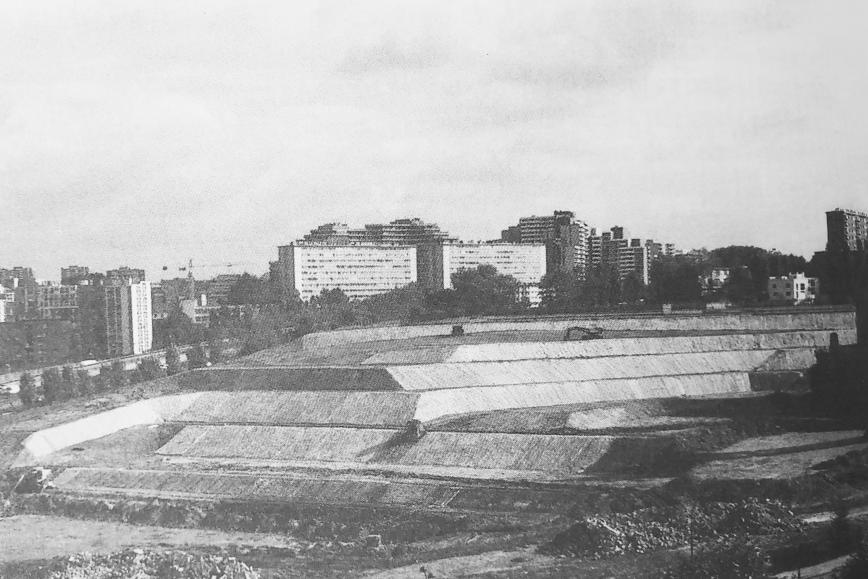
(145, 564)
(658, 528)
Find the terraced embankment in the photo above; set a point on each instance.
(255, 486)
(472, 453)
(764, 321)
(345, 407)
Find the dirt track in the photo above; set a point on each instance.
(60, 536)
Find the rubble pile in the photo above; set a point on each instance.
(758, 517)
(144, 564)
(670, 527)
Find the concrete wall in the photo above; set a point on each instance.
(464, 375)
(435, 404)
(153, 411)
(286, 378)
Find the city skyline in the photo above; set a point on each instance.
(147, 134)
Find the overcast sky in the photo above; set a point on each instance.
(144, 133)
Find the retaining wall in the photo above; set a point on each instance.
(435, 404)
(495, 451)
(463, 375)
(287, 408)
(288, 378)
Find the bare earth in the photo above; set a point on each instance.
(61, 536)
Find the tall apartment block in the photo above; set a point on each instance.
(564, 237)
(23, 286)
(73, 274)
(409, 231)
(627, 256)
(57, 302)
(128, 317)
(846, 230)
(526, 262)
(2, 304)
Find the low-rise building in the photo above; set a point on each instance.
(795, 288)
(714, 280)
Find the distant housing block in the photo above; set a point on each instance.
(360, 271)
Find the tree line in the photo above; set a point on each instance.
(68, 382)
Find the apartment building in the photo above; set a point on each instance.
(795, 288)
(847, 230)
(359, 270)
(564, 237)
(128, 324)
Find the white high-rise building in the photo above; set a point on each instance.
(359, 270)
(525, 262)
(128, 318)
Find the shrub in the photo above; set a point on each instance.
(215, 348)
(51, 385)
(27, 389)
(150, 369)
(196, 357)
(173, 360)
(101, 383)
(84, 382)
(118, 377)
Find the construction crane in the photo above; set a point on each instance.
(191, 282)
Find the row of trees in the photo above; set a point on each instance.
(673, 279)
(61, 384)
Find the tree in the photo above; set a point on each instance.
(601, 288)
(51, 385)
(332, 308)
(196, 357)
(484, 292)
(84, 382)
(149, 369)
(173, 360)
(215, 351)
(251, 290)
(101, 383)
(118, 377)
(632, 288)
(559, 293)
(27, 389)
(675, 279)
(740, 287)
(177, 328)
(401, 304)
(68, 386)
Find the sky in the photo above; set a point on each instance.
(148, 133)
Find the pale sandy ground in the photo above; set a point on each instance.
(28, 537)
(491, 562)
(820, 570)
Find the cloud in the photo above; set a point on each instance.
(388, 54)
